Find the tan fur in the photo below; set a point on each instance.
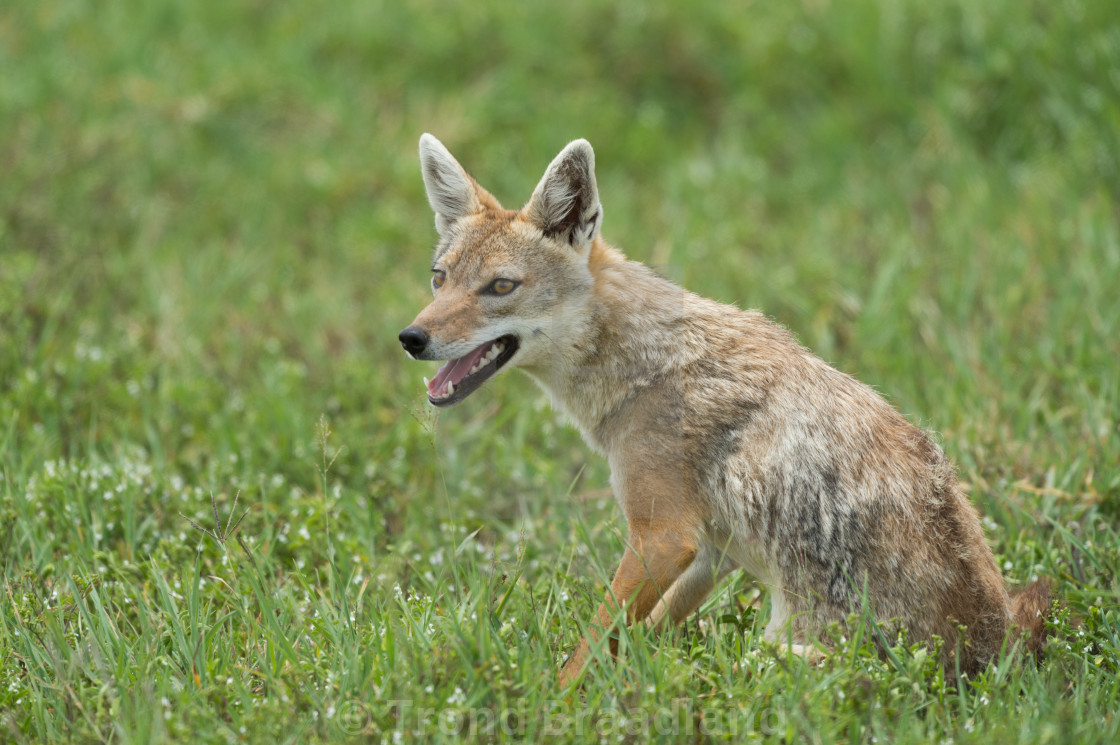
(729, 444)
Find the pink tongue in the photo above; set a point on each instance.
(454, 371)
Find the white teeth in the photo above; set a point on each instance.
(492, 354)
(486, 359)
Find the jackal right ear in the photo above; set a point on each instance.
(451, 191)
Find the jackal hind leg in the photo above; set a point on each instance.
(787, 631)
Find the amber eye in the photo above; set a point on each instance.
(502, 286)
(438, 278)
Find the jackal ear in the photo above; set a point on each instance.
(451, 191)
(566, 201)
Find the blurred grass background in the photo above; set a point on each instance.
(212, 227)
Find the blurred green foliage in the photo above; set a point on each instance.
(212, 227)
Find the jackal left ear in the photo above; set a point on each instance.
(451, 191)
(566, 201)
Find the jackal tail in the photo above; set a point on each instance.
(1031, 608)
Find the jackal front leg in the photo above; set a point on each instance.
(688, 592)
(650, 565)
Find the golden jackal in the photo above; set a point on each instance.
(729, 444)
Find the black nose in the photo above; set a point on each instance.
(414, 340)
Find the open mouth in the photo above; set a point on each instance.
(460, 377)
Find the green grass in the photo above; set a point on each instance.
(212, 226)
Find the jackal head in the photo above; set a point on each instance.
(505, 282)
